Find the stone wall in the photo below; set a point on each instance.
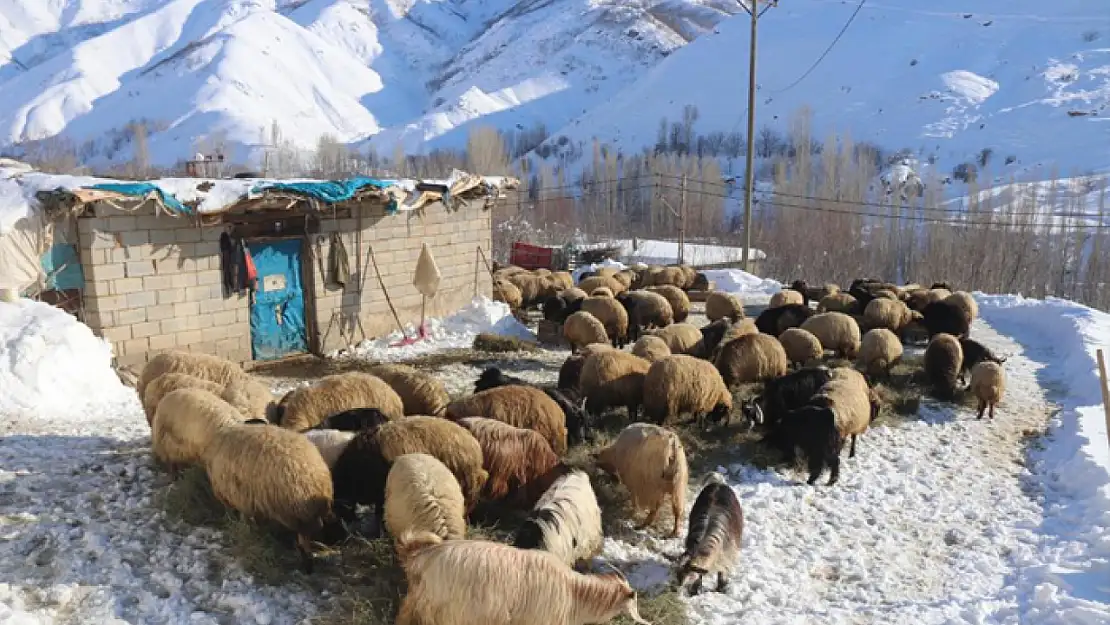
(153, 282)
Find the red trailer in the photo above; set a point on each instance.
(530, 256)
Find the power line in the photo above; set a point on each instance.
(826, 52)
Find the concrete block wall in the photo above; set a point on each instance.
(153, 282)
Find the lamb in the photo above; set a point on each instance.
(838, 302)
(836, 331)
(844, 407)
(520, 406)
(509, 293)
(651, 463)
(946, 317)
(722, 305)
(775, 321)
(975, 353)
(988, 384)
(714, 537)
(679, 301)
(645, 310)
(879, 350)
(354, 420)
(801, 346)
(203, 366)
(568, 398)
(683, 384)
(786, 296)
(420, 392)
(362, 468)
(885, 313)
(943, 359)
(611, 315)
(582, 328)
(751, 358)
(450, 584)
(185, 423)
(271, 473)
(965, 302)
(613, 378)
(651, 348)
(519, 461)
(680, 338)
(330, 443)
(421, 495)
(566, 521)
(308, 405)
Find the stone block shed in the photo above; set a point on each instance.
(153, 276)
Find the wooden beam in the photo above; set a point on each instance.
(1105, 391)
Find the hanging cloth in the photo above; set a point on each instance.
(249, 273)
(228, 266)
(426, 277)
(339, 269)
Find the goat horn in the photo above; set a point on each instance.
(617, 571)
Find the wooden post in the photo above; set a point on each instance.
(1105, 391)
(682, 224)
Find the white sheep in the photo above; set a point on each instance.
(421, 494)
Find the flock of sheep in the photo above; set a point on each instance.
(391, 438)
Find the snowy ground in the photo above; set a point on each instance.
(938, 520)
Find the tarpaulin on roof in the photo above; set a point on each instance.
(143, 189)
(330, 191)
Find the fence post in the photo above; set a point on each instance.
(1105, 391)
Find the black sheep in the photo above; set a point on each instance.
(354, 420)
(975, 353)
(716, 531)
(775, 321)
(803, 288)
(555, 309)
(570, 372)
(945, 317)
(567, 398)
(711, 336)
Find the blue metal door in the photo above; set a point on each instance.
(277, 312)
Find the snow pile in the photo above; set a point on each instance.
(750, 287)
(608, 262)
(458, 331)
(51, 364)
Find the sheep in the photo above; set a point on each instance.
(159, 387)
(775, 321)
(843, 407)
(689, 275)
(272, 473)
(570, 371)
(198, 365)
(838, 302)
(613, 378)
(306, 406)
(563, 280)
(722, 305)
(589, 284)
(680, 338)
(651, 348)
(683, 384)
(720, 332)
(975, 353)
(519, 461)
(946, 317)
(801, 287)
(666, 276)
(354, 420)
(582, 328)
(888, 294)
(714, 537)
(509, 293)
(573, 294)
(943, 359)
(330, 443)
(462, 582)
(645, 310)
(626, 278)
(185, 423)
(420, 392)
(602, 291)
(651, 463)
(879, 350)
(568, 398)
(751, 358)
(679, 301)
(988, 384)
(422, 495)
(566, 521)
(965, 302)
(801, 346)
(611, 315)
(836, 331)
(362, 468)
(701, 282)
(786, 296)
(886, 313)
(520, 406)
(533, 289)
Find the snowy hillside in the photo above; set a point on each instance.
(350, 68)
(1027, 79)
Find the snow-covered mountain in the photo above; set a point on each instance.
(946, 79)
(409, 71)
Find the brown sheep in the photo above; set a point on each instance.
(519, 406)
(651, 348)
(965, 302)
(166, 383)
(890, 314)
(680, 302)
(613, 378)
(721, 305)
(651, 463)
(943, 359)
(185, 423)
(879, 350)
(836, 331)
(667, 276)
(784, 297)
(988, 384)
(801, 346)
(680, 384)
(611, 314)
(681, 338)
(519, 461)
(589, 284)
(838, 302)
(421, 393)
(751, 358)
(509, 293)
(421, 495)
(563, 280)
(601, 291)
(646, 310)
(582, 329)
(198, 365)
(573, 294)
(307, 406)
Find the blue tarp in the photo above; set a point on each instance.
(62, 268)
(328, 191)
(142, 189)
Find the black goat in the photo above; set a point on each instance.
(780, 396)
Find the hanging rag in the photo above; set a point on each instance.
(339, 269)
(248, 272)
(427, 276)
(228, 266)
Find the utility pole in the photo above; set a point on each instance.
(682, 224)
(749, 176)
